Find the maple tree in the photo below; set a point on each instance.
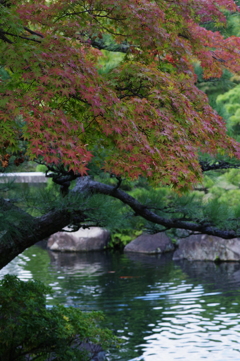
(145, 117)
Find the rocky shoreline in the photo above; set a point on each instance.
(197, 247)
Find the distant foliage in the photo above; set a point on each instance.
(230, 101)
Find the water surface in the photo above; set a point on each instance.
(163, 310)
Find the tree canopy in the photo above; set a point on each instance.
(142, 116)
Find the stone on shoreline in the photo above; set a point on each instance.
(150, 243)
(201, 247)
(84, 240)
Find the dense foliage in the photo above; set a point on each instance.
(30, 331)
(144, 117)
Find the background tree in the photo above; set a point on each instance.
(144, 116)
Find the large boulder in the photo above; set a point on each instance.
(84, 240)
(201, 247)
(150, 243)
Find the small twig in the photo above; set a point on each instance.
(33, 32)
(22, 37)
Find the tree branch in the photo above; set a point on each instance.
(21, 37)
(32, 230)
(206, 166)
(87, 184)
(101, 45)
(33, 32)
(4, 38)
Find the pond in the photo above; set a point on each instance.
(161, 309)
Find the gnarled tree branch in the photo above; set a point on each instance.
(87, 184)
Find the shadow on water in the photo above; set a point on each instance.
(224, 276)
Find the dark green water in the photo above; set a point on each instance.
(163, 310)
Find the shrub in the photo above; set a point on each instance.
(31, 331)
(120, 238)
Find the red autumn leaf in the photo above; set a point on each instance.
(145, 114)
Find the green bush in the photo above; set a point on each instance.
(31, 331)
(120, 238)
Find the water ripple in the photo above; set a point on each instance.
(161, 311)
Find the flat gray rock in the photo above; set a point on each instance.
(150, 243)
(201, 247)
(84, 240)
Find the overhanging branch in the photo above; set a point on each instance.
(87, 184)
(30, 230)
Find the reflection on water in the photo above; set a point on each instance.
(161, 309)
(17, 267)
